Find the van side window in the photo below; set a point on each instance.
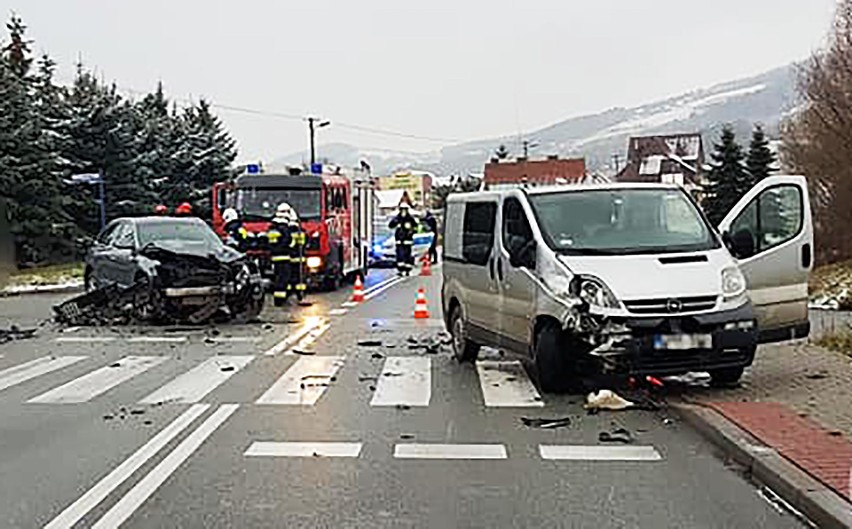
(478, 234)
(771, 219)
(516, 226)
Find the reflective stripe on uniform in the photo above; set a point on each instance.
(301, 286)
(278, 294)
(273, 236)
(280, 258)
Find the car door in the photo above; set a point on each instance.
(479, 270)
(516, 283)
(123, 254)
(98, 259)
(770, 232)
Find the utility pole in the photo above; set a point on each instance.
(527, 144)
(313, 124)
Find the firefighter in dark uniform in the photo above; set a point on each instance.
(278, 238)
(432, 225)
(405, 226)
(298, 239)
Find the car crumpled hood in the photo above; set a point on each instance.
(634, 277)
(223, 253)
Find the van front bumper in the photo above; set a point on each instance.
(632, 349)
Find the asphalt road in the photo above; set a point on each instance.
(292, 423)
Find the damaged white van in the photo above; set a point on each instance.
(631, 278)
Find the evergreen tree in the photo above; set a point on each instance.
(760, 161)
(728, 181)
(17, 52)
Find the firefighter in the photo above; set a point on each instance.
(233, 227)
(432, 225)
(279, 236)
(161, 209)
(183, 210)
(297, 255)
(404, 226)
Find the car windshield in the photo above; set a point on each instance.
(178, 233)
(260, 202)
(622, 221)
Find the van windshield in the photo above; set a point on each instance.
(622, 221)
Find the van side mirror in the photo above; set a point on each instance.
(741, 243)
(523, 255)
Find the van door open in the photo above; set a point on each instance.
(514, 268)
(770, 232)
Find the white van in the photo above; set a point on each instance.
(630, 277)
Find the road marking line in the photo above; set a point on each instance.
(599, 453)
(505, 384)
(312, 336)
(158, 339)
(385, 283)
(370, 294)
(449, 451)
(234, 339)
(337, 312)
(348, 304)
(131, 501)
(85, 339)
(290, 449)
(404, 380)
(99, 381)
(286, 343)
(193, 385)
(304, 382)
(92, 497)
(21, 373)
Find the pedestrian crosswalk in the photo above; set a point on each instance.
(405, 380)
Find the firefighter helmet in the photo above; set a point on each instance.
(184, 209)
(230, 215)
(284, 213)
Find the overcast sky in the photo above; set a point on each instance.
(444, 69)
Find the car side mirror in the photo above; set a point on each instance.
(523, 255)
(741, 243)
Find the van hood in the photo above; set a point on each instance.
(633, 277)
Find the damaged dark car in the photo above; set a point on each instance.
(161, 269)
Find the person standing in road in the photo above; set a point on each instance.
(297, 255)
(232, 227)
(432, 225)
(404, 226)
(279, 236)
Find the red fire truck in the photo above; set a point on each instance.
(336, 212)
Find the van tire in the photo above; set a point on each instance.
(726, 376)
(463, 349)
(555, 372)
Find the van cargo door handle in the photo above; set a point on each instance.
(500, 269)
(491, 268)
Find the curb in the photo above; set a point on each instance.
(41, 289)
(811, 497)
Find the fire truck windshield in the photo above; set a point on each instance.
(261, 203)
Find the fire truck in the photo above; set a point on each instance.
(335, 210)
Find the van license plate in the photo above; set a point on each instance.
(683, 341)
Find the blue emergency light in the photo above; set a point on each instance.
(253, 168)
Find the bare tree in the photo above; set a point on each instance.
(817, 141)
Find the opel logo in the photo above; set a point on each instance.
(674, 305)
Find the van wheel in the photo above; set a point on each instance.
(555, 371)
(727, 376)
(463, 349)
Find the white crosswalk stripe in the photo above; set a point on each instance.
(599, 453)
(449, 451)
(505, 384)
(21, 373)
(404, 380)
(196, 383)
(99, 381)
(296, 449)
(304, 382)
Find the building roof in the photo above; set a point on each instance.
(549, 171)
(674, 157)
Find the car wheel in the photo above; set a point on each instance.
(463, 349)
(727, 376)
(553, 365)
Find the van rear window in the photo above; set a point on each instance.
(478, 231)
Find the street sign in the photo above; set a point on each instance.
(87, 178)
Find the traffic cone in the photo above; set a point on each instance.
(358, 291)
(421, 310)
(426, 270)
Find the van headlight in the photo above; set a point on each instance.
(594, 292)
(733, 282)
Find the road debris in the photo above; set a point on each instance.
(370, 343)
(377, 356)
(406, 436)
(606, 399)
(403, 407)
(367, 379)
(14, 333)
(816, 376)
(226, 369)
(303, 352)
(547, 424)
(619, 435)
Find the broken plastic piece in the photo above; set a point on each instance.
(654, 381)
(546, 423)
(619, 435)
(606, 399)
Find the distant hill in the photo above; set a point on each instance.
(764, 98)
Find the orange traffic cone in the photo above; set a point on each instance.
(421, 310)
(358, 291)
(426, 270)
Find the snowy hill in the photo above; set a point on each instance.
(764, 98)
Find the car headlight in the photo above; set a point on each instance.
(733, 282)
(314, 262)
(594, 292)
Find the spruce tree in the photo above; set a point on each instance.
(17, 52)
(728, 180)
(760, 161)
